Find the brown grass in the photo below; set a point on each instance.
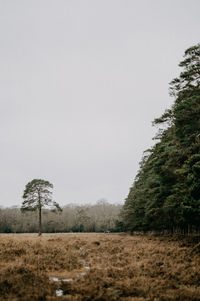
(122, 267)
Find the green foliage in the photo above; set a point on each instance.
(38, 195)
(166, 191)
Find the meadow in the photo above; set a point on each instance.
(99, 267)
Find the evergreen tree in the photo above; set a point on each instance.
(37, 195)
(166, 193)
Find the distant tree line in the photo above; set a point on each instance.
(165, 195)
(99, 217)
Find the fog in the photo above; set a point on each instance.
(80, 84)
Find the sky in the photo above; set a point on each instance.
(80, 83)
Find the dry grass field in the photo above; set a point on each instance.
(98, 267)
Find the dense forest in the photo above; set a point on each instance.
(99, 217)
(165, 195)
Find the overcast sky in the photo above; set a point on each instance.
(80, 83)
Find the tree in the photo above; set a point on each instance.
(189, 79)
(37, 195)
(166, 191)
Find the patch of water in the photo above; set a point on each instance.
(87, 267)
(81, 274)
(54, 279)
(59, 293)
(67, 279)
(60, 279)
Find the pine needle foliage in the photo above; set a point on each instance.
(38, 195)
(165, 195)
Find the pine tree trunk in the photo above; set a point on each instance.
(40, 221)
(40, 214)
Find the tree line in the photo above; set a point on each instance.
(100, 217)
(165, 195)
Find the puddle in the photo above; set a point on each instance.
(81, 274)
(87, 267)
(59, 293)
(67, 279)
(54, 279)
(60, 279)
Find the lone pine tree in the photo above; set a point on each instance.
(38, 195)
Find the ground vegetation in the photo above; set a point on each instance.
(106, 267)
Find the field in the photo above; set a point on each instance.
(98, 267)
